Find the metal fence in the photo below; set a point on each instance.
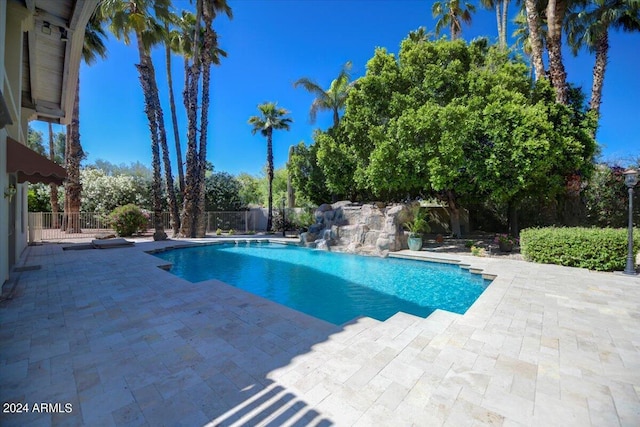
(45, 226)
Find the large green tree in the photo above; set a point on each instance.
(223, 192)
(332, 99)
(455, 121)
(306, 175)
(271, 118)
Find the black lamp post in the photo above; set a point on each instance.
(630, 179)
(284, 219)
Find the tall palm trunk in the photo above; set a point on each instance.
(499, 24)
(505, 14)
(201, 226)
(171, 191)
(535, 37)
(192, 185)
(53, 198)
(174, 118)
(602, 52)
(73, 157)
(147, 81)
(270, 178)
(209, 42)
(555, 16)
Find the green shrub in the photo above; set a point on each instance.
(301, 220)
(128, 219)
(602, 249)
(219, 232)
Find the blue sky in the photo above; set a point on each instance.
(272, 43)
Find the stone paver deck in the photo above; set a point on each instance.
(124, 342)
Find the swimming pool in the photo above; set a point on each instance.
(335, 287)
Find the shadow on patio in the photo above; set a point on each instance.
(126, 343)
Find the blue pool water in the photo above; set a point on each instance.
(336, 287)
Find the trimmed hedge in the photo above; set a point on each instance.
(602, 249)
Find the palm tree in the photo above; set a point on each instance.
(588, 26)
(93, 47)
(332, 99)
(535, 36)
(171, 35)
(140, 17)
(53, 197)
(452, 15)
(419, 35)
(522, 38)
(555, 13)
(501, 7)
(271, 118)
(204, 53)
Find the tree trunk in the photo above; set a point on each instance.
(73, 157)
(512, 219)
(270, 178)
(192, 186)
(505, 10)
(499, 23)
(171, 190)
(555, 16)
(535, 37)
(207, 51)
(201, 227)
(454, 212)
(146, 81)
(602, 52)
(174, 118)
(336, 118)
(53, 198)
(190, 95)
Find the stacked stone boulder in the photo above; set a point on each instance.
(369, 228)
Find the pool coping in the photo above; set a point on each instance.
(542, 345)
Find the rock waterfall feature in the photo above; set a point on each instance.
(368, 229)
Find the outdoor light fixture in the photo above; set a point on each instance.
(284, 220)
(63, 34)
(46, 27)
(630, 179)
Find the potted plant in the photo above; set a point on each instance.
(506, 242)
(416, 227)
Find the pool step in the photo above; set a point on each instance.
(440, 320)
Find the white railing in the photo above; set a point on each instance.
(45, 226)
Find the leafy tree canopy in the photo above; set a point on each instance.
(456, 119)
(222, 192)
(136, 169)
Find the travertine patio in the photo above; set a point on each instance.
(127, 343)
